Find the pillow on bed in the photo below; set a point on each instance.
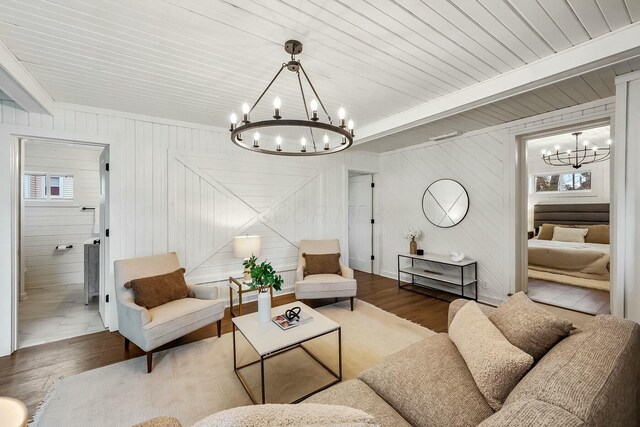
(598, 234)
(577, 235)
(546, 231)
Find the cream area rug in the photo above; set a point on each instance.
(602, 285)
(195, 380)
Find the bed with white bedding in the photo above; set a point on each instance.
(582, 263)
(585, 260)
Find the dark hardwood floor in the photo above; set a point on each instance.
(28, 373)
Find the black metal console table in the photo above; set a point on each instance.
(438, 272)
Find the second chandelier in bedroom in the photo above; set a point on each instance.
(309, 136)
(578, 157)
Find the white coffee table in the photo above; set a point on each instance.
(268, 340)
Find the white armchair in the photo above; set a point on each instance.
(318, 286)
(149, 329)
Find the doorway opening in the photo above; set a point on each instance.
(568, 219)
(63, 207)
(361, 221)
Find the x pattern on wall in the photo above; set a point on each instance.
(214, 199)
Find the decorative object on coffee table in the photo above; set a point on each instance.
(263, 278)
(411, 234)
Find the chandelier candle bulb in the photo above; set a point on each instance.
(314, 110)
(276, 108)
(326, 141)
(245, 112)
(303, 142)
(278, 143)
(256, 139)
(234, 121)
(350, 126)
(342, 114)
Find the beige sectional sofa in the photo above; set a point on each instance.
(590, 378)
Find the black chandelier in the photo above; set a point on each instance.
(344, 130)
(578, 157)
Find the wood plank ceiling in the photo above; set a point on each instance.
(598, 84)
(197, 60)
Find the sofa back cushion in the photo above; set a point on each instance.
(429, 384)
(593, 374)
(528, 326)
(495, 364)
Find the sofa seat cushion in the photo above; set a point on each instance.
(304, 414)
(593, 374)
(532, 413)
(356, 394)
(334, 285)
(176, 315)
(528, 326)
(429, 384)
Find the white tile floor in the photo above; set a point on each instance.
(55, 313)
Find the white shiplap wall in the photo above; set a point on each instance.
(60, 222)
(144, 215)
(481, 162)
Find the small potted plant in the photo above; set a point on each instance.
(263, 276)
(411, 235)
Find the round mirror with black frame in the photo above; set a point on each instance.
(445, 203)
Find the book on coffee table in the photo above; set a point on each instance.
(284, 323)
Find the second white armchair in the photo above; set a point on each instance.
(316, 286)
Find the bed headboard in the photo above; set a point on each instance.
(571, 214)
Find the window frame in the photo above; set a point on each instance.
(533, 177)
(47, 191)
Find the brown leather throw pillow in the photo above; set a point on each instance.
(150, 292)
(321, 264)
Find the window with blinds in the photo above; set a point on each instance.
(52, 187)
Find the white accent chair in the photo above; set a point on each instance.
(316, 286)
(149, 329)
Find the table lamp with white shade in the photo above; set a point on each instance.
(244, 247)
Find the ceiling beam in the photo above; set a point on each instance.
(605, 50)
(20, 86)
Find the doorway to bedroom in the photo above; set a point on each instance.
(569, 183)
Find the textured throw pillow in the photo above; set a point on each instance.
(598, 234)
(546, 231)
(495, 364)
(321, 264)
(576, 235)
(528, 326)
(149, 292)
(303, 414)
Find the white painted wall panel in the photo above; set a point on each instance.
(148, 216)
(481, 162)
(59, 222)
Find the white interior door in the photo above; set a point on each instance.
(360, 227)
(104, 240)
